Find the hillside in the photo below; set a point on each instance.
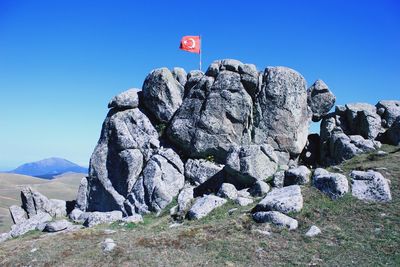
(63, 187)
(353, 233)
(49, 168)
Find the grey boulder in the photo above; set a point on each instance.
(34, 202)
(320, 99)
(285, 200)
(17, 213)
(299, 175)
(389, 110)
(244, 201)
(248, 164)
(135, 218)
(313, 231)
(125, 100)
(370, 186)
(363, 120)
(162, 94)
(33, 223)
(334, 185)
(199, 171)
(278, 179)
(57, 226)
(276, 218)
(95, 218)
(180, 75)
(204, 205)
(259, 189)
(392, 135)
(185, 198)
(228, 191)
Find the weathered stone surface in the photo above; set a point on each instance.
(199, 171)
(30, 224)
(313, 231)
(281, 115)
(185, 198)
(180, 75)
(160, 181)
(34, 202)
(244, 193)
(228, 191)
(216, 113)
(320, 99)
(244, 201)
(82, 195)
(95, 218)
(248, 164)
(392, 135)
(299, 175)
(204, 206)
(285, 200)
(363, 120)
(57, 226)
(108, 245)
(370, 186)
(17, 213)
(259, 189)
(335, 185)
(135, 218)
(276, 218)
(78, 216)
(125, 100)
(278, 179)
(389, 110)
(162, 94)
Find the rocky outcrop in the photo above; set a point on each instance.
(335, 185)
(320, 99)
(370, 186)
(34, 202)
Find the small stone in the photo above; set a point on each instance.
(108, 245)
(243, 201)
(33, 250)
(370, 186)
(313, 231)
(278, 179)
(259, 189)
(57, 226)
(276, 218)
(109, 231)
(285, 200)
(231, 211)
(299, 175)
(228, 191)
(135, 218)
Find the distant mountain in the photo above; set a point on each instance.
(49, 168)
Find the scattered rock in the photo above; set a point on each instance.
(108, 245)
(299, 175)
(204, 206)
(370, 186)
(320, 99)
(313, 231)
(259, 189)
(285, 200)
(389, 110)
(228, 191)
(243, 201)
(95, 218)
(57, 226)
(335, 185)
(109, 231)
(278, 179)
(248, 164)
(4, 237)
(33, 223)
(135, 218)
(276, 218)
(125, 100)
(17, 213)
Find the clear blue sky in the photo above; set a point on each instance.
(61, 61)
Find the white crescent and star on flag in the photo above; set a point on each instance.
(190, 43)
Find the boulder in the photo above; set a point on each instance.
(161, 180)
(299, 175)
(34, 202)
(276, 218)
(78, 216)
(281, 112)
(4, 237)
(33, 223)
(335, 185)
(392, 135)
(363, 120)
(199, 171)
(185, 198)
(57, 226)
(320, 99)
(82, 195)
(228, 191)
(370, 186)
(125, 100)
(108, 245)
(135, 218)
(180, 75)
(389, 110)
(204, 205)
(95, 218)
(17, 213)
(248, 164)
(285, 200)
(313, 231)
(162, 94)
(243, 201)
(278, 179)
(216, 113)
(259, 189)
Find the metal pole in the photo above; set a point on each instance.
(201, 48)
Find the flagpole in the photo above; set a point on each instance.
(201, 48)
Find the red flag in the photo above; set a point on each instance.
(190, 44)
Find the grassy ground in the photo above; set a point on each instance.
(63, 187)
(353, 234)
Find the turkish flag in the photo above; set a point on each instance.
(190, 44)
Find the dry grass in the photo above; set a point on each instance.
(353, 233)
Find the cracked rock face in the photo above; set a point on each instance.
(320, 99)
